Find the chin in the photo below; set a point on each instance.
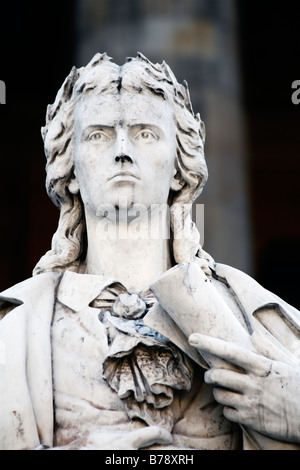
(125, 199)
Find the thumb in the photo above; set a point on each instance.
(150, 435)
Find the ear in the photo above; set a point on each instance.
(74, 186)
(177, 182)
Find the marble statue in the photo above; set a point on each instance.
(129, 335)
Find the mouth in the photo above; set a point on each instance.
(124, 175)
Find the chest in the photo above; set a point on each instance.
(79, 346)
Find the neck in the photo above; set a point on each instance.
(128, 253)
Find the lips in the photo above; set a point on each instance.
(124, 174)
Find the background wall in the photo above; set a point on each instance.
(239, 58)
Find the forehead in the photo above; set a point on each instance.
(128, 108)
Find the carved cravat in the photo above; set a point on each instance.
(142, 366)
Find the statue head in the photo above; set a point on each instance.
(101, 77)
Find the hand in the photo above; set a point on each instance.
(264, 396)
(120, 440)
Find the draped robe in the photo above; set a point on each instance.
(29, 312)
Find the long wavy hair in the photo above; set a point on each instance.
(102, 76)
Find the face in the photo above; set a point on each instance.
(124, 150)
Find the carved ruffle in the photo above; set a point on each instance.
(142, 366)
(145, 377)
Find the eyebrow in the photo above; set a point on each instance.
(155, 127)
(92, 127)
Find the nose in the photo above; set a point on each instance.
(123, 158)
(122, 149)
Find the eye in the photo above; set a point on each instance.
(98, 136)
(146, 135)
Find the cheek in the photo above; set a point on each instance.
(79, 159)
(165, 168)
(86, 163)
(86, 178)
(163, 158)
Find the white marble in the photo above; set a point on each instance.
(129, 335)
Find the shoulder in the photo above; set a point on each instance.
(253, 298)
(244, 286)
(30, 290)
(224, 271)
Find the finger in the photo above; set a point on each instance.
(231, 414)
(150, 435)
(232, 353)
(227, 379)
(227, 398)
